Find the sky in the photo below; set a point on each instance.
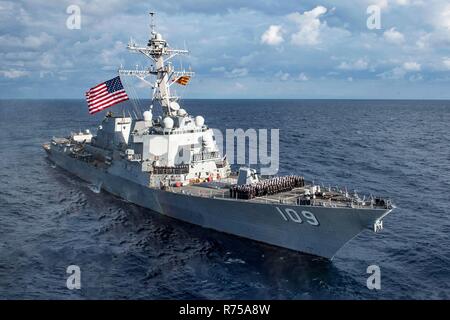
(238, 49)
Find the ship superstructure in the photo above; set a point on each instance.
(171, 164)
(175, 149)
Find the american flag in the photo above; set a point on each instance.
(105, 95)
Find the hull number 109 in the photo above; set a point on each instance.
(289, 214)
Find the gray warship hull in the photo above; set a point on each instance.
(272, 223)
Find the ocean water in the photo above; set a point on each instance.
(50, 219)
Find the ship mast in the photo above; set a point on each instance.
(161, 53)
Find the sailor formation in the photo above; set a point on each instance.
(266, 187)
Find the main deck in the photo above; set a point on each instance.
(328, 197)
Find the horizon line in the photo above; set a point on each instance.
(343, 99)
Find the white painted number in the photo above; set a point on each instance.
(290, 214)
(293, 215)
(312, 220)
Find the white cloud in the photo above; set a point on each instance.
(411, 66)
(272, 36)
(302, 77)
(446, 62)
(403, 2)
(237, 73)
(309, 25)
(47, 61)
(394, 74)
(423, 41)
(239, 86)
(218, 69)
(43, 74)
(283, 76)
(38, 41)
(110, 57)
(13, 74)
(248, 59)
(394, 36)
(400, 72)
(360, 64)
(28, 42)
(383, 4)
(443, 19)
(416, 77)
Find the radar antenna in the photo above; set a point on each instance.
(159, 51)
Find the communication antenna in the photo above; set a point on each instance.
(152, 22)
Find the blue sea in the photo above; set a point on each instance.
(49, 219)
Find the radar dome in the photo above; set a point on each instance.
(147, 115)
(168, 123)
(174, 106)
(182, 112)
(199, 121)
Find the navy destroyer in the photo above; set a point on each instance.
(172, 165)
